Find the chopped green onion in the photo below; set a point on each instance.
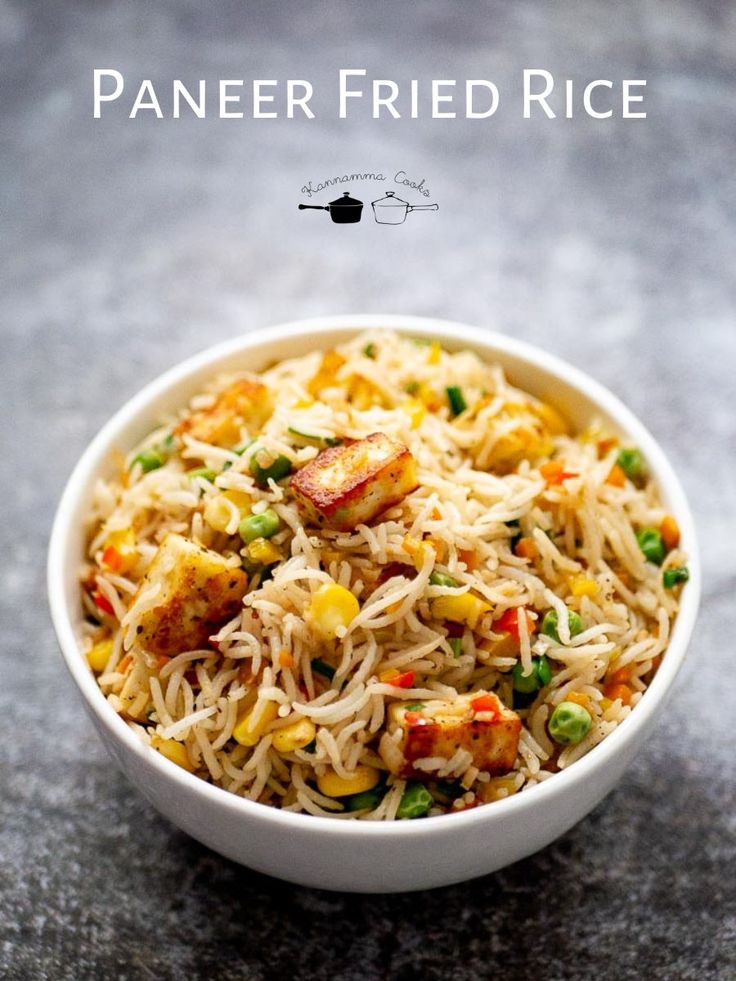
(671, 577)
(411, 388)
(150, 459)
(550, 624)
(414, 706)
(321, 667)
(632, 463)
(203, 472)
(416, 801)
(310, 747)
(456, 399)
(312, 437)
(450, 788)
(570, 723)
(370, 350)
(277, 470)
(168, 441)
(456, 643)
(263, 525)
(651, 544)
(441, 579)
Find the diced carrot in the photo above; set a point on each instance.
(161, 661)
(112, 559)
(285, 659)
(605, 446)
(469, 557)
(616, 477)
(415, 718)
(554, 472)
(670, 531)
(618, 691)
(622, 676)
(124, 664)
(526, 548)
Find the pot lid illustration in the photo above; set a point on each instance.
(391, 200)
(344, 201)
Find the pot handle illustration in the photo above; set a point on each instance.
(422, 207)
(314, 207)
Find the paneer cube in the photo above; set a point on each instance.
(199, 592)
(478, 722)
(350, 485)
(245, 402)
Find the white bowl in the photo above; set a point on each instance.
(361, 856)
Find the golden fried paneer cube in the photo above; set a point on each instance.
(245, 402)
(199, 592)
(478, 722)
(345, 486)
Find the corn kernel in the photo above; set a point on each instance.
(388, 675)
(98, 657)
(247, 733)
(435, 353)
(578, 698)
(262, 551)
(605, 704)
(331, 608)
(465, 608)
(295, 736)
(416, 411)
(174, 751)
(616, 476)
(551, 418)
(583, 586)
(364, 778)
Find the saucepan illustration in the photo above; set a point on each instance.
(391, 210)
(342, 210)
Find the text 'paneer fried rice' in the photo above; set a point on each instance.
(377, 582)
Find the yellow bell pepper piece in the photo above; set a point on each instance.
(583, 586)
(416, 411)
(465, 608)
(295, 736)
(331, 608)
(363, 778)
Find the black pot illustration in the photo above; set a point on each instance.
(344, 210)
(391, 210)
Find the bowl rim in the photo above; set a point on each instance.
(488, 343)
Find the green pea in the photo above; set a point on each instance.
(651, 544)
(441, 579)
(539, 676)
(456, 399)
(671, 577)
(632, 463)
(570, 723)
(263, 525)
(370, 350)
(368, 800)
(277, 470)
(415, 802)
(550, 624)
(150, 459)
(543, 669)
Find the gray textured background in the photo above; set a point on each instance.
(128, 245)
